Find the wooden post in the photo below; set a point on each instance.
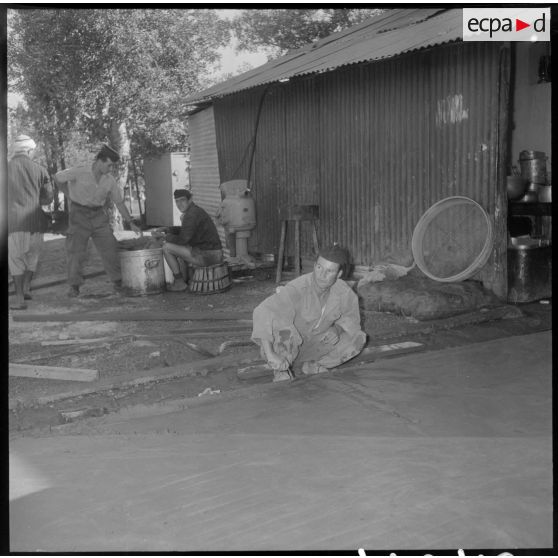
(497, 270)
(315, 238)
(297, 247)
(281, 251)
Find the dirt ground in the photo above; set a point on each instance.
(136, 359)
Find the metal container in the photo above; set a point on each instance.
(531, 196)
(238, 213)
(516, 186)
(142, 271)
(545, 194)
(533, 166)
(529, 273)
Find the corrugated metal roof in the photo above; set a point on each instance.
(384, 36)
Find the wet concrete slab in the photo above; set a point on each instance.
(440, 450)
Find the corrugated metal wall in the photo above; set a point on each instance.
(204, 164)
(374, 145)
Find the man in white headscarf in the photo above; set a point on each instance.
(29, 188)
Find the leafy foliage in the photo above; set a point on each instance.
(279, 30)
(90, 70)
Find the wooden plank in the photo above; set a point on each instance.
(47, 356)
(197, 348)
(197, 335)
(119, 381)
(41, 283)
(256, 370)
(393, 348)
(53, 372)
(131, 317)
(228, 344)
(61, 342)
(228, 334)
(246, 325)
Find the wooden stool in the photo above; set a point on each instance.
(297, 214)
(211, 279)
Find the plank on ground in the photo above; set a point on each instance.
(76, 341)
(53, 372)
(130, 317)
(51, 281)
(70, 350)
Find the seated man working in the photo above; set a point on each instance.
(196, 243)
(311, 324)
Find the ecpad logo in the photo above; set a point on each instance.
(506, 24)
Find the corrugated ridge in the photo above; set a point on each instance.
(378, 38)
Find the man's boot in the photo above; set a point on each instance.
(27, 276)
(20, 300)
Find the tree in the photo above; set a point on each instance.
(116, 75)
(280, 30)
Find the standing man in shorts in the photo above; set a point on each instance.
(197, 243)
(29, 188)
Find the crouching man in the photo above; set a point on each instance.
(313, 323)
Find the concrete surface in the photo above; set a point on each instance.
(440, 450)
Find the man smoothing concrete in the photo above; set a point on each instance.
(313, 323)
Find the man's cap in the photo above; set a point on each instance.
(182, 193)
(108, 152)
(336, 254)
(23, 143)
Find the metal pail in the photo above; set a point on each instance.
(533, 166)
(143, 271)
(529, 273)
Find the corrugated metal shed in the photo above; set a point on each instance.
(374, 145)
(204, 165)
(390, 34)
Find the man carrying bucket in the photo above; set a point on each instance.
(88, 189)
(197, 241)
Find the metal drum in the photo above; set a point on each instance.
(529, 273)
(142, 271)
(211, 279)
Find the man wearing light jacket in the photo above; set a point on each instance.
(312, 323)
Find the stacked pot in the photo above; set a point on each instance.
(533, 170)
